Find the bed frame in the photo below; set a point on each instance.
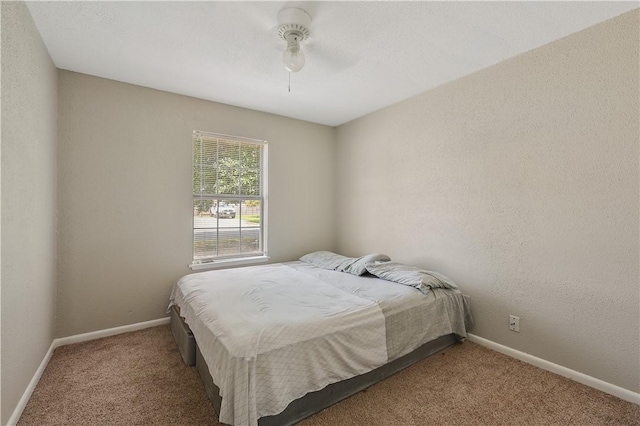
(313, 402)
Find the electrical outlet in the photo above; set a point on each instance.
(514, 323)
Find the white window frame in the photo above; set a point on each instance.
(197, 265)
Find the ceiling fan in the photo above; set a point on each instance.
(289, 32)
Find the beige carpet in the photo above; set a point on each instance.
(139, 379)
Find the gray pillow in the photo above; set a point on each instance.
(410, 275)
(337, 262)
(359, 267)
(328, 260)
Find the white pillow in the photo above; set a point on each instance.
(328, 260)
(359, 267)
(337, 262)
(410, 275)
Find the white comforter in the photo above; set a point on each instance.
(270, 334)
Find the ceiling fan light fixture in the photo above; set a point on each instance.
(293, 56)
(293, 28)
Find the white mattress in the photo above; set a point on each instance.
(270, 334)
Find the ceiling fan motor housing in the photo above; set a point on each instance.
(293, 21)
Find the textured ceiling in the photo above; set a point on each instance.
(362, 56)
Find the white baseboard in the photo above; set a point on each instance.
(31, 387)
(85, 337)
(603, 386)
(63, 341)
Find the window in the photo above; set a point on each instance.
(229, 199)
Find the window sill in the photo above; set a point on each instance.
(229, 262)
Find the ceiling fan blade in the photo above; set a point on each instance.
(257, 14)
(328, 60)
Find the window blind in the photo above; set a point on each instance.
(228, 197)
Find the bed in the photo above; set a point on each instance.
(279, 342)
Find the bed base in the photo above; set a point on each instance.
(183, 337)
(314, 402)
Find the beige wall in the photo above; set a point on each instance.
(125, 200)
(521, 182)
(29, 92)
